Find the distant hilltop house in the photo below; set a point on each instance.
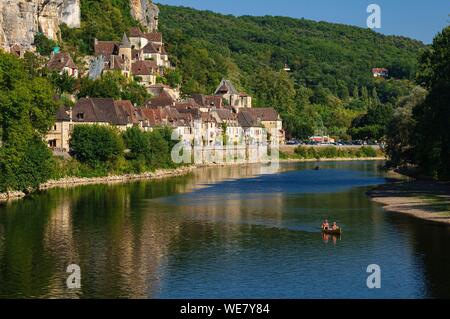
(140, 55)
(62, 63)
(380, 72)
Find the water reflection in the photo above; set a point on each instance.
(220, 232)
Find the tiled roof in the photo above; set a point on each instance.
(99, 110)
(224, 114)
(144, 68)
(135, 32)
(106, 48)
(115, 63)
(59, 61)
(154, 36)
(63, 114)
(264, 113)
(164, 99)
(211, 101)
(150, 49)
(246, 119)
(226, 87)
(125, 42)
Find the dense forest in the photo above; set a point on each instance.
(329, 90)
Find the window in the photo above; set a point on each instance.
(52, 143)
(80, 116)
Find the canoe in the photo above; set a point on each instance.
(332, 232)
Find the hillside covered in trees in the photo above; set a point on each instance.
(329, 90)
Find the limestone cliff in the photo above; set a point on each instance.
(146, 12)
(21, 19)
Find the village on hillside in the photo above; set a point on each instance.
(199, 120)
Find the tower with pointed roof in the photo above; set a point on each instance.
(125, 52)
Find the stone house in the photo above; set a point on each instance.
(99, 111)
(62, 63)
(144, 72)
(233, 98)
(271, 121)
(251, 127)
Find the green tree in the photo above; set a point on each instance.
(400, 131)
(27, 111)
(63, 83)
(96, 145)
(43, 44)
(432, 138)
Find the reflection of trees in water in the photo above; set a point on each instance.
(432, 245)
(25, 267)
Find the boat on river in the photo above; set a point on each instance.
(336, 232)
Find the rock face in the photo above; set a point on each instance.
(146, 12)
(21, 19)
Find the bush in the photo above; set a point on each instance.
(335, 152)
(96, 145)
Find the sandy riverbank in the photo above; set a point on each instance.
(421, 199)
(158, 174)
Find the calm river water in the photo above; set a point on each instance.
(233, 232)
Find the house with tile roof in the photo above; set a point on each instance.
(90, 111)
(232, 97)
(271, 121)
(62, 63)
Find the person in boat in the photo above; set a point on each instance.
(335, 226)
(325, 225)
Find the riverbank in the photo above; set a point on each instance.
(426, 200)
(337, 159)
(158, 174)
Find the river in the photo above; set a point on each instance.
(222, 232)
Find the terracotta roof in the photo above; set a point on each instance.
(211, 101)
(154, 36)
(379, 70)
(149, 117)
(144, 68)
(135, 32)
(264, 113)
(106, 48)
(164, 99)
(150, 49)
(59, 61)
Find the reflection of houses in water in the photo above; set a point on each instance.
(59, 241)
(122, 242)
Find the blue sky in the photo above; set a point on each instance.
(418, 19)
